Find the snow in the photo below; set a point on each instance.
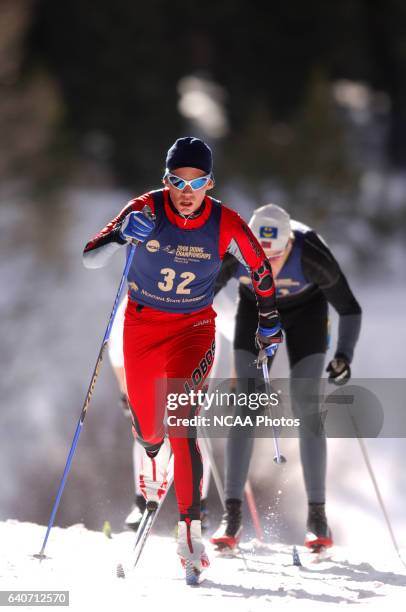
(84, 563)
(53, 315)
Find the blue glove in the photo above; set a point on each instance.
(269, 338)
(136, 226)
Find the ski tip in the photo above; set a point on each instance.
(120, 571)
(296, 558)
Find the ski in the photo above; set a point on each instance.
(141, 535)
(319, 554)
(226, 545)
(144, 529)
(148, 519)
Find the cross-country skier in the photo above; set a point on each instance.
(116, 357)
(307, 279)
(169, 321)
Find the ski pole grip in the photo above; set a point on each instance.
(147, 212)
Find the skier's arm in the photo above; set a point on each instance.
(237, 238)
(320, 267)
(228, 270)
(100, 248)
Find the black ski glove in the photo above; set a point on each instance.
(339, 370)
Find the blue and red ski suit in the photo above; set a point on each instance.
(169, 325)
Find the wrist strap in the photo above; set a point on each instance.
(269, 331)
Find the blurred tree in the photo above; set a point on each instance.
(29, 108)
(118, 65)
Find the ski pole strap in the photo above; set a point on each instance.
(270, 331)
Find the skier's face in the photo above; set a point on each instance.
(277, 259)
(188, 200)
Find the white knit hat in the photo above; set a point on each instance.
(271, 223)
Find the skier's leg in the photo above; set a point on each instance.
(305, 383)
(307, 343)
(145, 343)
(191, 352)
(134, 517)
(239, 445)
(191, 358)
(147, 335)
(238, 453)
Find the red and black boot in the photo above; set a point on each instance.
(318, 535)
(228, 534)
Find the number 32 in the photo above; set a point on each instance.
(169, 277)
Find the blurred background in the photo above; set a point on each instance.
(304, 104)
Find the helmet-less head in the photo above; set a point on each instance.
(189, 174)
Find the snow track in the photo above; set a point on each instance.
(84, 562)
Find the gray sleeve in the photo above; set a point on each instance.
(98, 257)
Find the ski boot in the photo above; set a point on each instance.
(191, 550)
(134, 518)
(153, 472)
(318, 536)
(204, 516)
(228, 534)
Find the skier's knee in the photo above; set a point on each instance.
(152, 442)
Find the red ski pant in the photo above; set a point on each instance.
(162, 352)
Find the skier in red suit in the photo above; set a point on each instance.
(183, 235)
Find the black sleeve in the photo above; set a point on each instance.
(227, 271)
(320, 267)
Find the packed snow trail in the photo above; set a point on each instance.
(84, 563)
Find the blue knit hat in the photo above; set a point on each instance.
(190, 152)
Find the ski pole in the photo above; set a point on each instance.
(376, 487)
(88, 397)
(262, 357)
(249, 494)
